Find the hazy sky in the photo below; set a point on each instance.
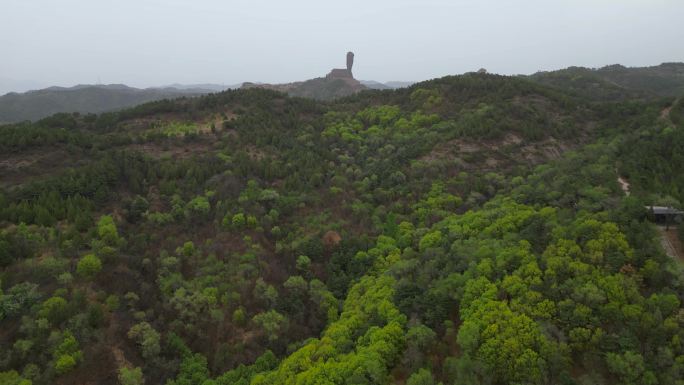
(155, 42)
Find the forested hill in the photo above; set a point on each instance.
(33, 105)
(465, 230)
(617, 82)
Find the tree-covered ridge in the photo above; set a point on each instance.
(616, 82)
(35, 105)
(441, 233)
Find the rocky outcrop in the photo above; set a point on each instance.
(339, 82)
(339, 73)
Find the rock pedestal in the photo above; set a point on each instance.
(342, 73)
(339, 73)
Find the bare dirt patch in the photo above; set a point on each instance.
(624, 185)
(495, 154)
(160, 150)
(16, 169)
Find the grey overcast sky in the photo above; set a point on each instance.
(154, 42)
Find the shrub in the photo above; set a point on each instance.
(89, 266)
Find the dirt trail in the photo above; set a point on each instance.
(665, 113)
(624, 185)
(117, 352)
(671, 243)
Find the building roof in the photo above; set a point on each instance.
(663, 210)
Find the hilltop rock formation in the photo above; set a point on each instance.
(339, 82)
(339, 73)
(342, 73)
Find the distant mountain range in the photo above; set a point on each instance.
(89, 98)
(372, 84)
(202, 87)
(33, 105)
(614, 82)
(617, 82)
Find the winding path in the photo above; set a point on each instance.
(665, 113)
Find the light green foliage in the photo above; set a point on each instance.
(268, 195)
(272, 323)
(107, 232)
(65, 279)
(131, 376)
(89, 266)
(326, 301)
(147, 338)
(296, 284)
(159, 218)
(13, 378)
(137, 208)
(437, 204)
(198, 207)
(303, 263)
(65, 364)
(112, 302)
(131, 299)
(188, 249)
(239, 317)
(629, 367)
(67, 354)
(18, 298)
(422, 377)
(239, 221)
(54, 309)
(190, 305)
(430, 240)
(52, 266)
(251, 193)
(265, 293)
(336, 357)
(426, 99)
(243, 374)
(179, 129)
(276, 231)
(574, 280)
(381, 115)
(177, 207)
(511, 345)
(193, 371)
(22, 347)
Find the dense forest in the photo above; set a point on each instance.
(466, 230)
